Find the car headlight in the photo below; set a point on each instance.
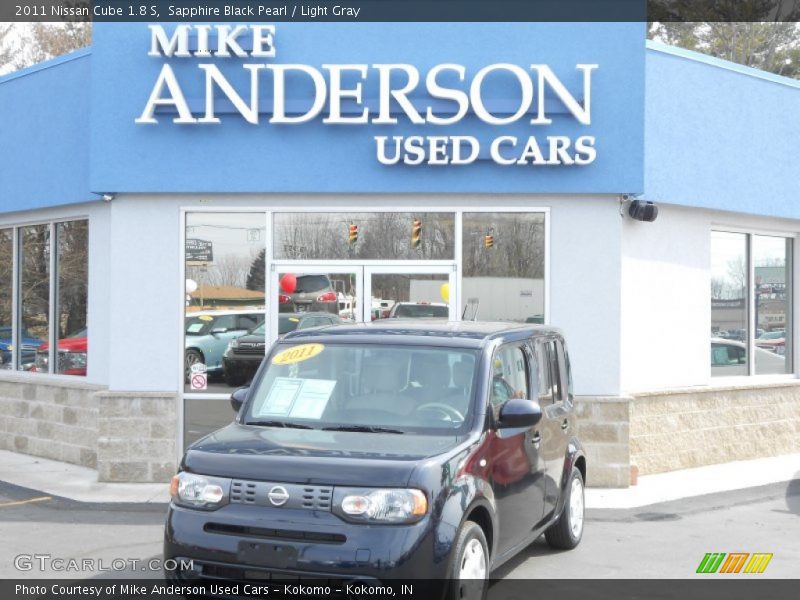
(199, 491)
(41, 361)
(382, 505)
(72, 360)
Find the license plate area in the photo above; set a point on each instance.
(265, 554)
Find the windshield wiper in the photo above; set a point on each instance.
(362, 428)
(279, 424)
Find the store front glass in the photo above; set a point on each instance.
(319, 268)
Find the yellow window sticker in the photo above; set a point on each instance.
(297, 354)
(294, 319)
(205, 318)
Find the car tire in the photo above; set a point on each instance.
(567, 531)
(192, 357)
(469, 565)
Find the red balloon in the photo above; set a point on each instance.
(289, 283)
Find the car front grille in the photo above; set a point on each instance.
(309, 497)
(249, 350)
(269, 533)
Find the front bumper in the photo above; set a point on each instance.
(254, 542)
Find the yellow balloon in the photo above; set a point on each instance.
(444, 292)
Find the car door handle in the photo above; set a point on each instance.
(565, 425)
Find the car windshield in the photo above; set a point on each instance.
(260, 329)
(365, 387)
(287, 323)
(418, 311)
(199, 325)
(312, 283)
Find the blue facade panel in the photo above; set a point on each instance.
(236, 156)
(44, 134)
(720, 136)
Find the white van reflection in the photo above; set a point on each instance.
(729, 357)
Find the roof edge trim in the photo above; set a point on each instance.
(47, 64)
(722, 64)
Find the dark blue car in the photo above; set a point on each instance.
(29, 343)
(386, 452)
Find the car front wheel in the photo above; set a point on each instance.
(470, 564)
(567, 531)
(193, 357)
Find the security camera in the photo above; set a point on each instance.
(108, 197)
(643, 210)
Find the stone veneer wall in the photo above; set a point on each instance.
(603, 427)
(132, 436)
(51, 420)
(125, 436)
(702, 426)
(137, 436)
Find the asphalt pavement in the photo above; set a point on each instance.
(666, 540)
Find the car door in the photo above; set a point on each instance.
(551, 371)
(516, 466)
(224, 329)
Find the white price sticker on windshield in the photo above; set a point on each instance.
(298, 398)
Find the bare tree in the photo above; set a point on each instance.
(230, 269)
(54, 39)
(25, 44)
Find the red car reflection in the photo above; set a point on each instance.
(72, 355)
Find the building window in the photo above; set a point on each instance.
(364, 236)
(751, 312)
(72, 297)
(224, 264)
(503, 269)
(50, 298)
(34, 297)
(6, 278)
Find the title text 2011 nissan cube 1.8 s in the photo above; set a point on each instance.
(377, 452)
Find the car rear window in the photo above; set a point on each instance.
(312, 283)
(421, 311)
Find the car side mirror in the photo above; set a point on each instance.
(519, 413)
(238, 397)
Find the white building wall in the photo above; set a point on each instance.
(666, 299)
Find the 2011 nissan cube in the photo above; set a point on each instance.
(387, 451)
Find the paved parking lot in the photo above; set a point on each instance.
(666, 540)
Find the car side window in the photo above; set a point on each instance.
(544, 385)
(566, 371)
(225, 322)
(557, 368)
(247, 322)
(509, 375)
(724, 355)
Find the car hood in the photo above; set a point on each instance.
(313, 456)
(79, 344)
(251, 339)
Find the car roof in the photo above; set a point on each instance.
(222, 313)
(474, 334)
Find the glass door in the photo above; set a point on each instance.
(304, 296)
(410, 292)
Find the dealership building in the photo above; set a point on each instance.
(157, 189)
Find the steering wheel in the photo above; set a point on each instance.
(448, 411)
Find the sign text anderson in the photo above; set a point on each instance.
(442, 96)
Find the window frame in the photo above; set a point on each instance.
(750, 300)
(53, 284)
